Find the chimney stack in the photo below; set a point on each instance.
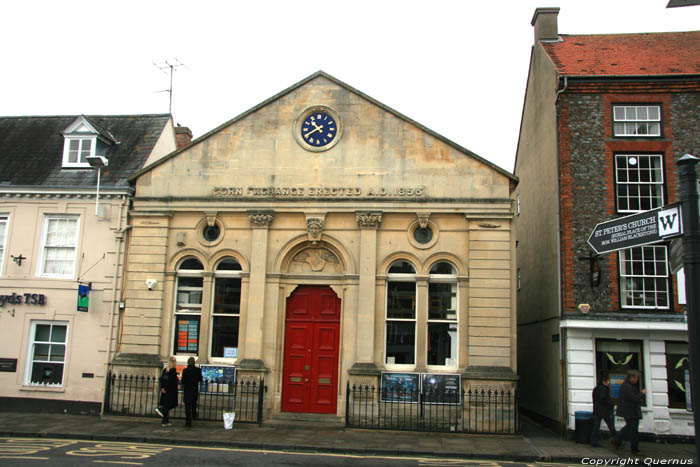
(183, 136)
(545, 23)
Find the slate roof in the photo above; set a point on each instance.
(31, 149)
(665, 53)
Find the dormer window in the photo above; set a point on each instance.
(76, 151)
(83, 139)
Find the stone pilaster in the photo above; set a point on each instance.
(140, 343)
(253, 351)
(368, 222)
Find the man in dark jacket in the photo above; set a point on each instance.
(629, 407)
(191, 377)
(602, 408)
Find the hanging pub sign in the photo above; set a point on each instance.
(83, 297)
(400, 387)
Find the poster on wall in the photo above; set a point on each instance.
(442, 388)
(218, 378)
(400, 387)
(187, 335)
(616, 381)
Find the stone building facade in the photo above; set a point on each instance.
(600, 137)
(320, 239)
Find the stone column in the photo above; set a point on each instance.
(253, 351)
(421, 324)
(368, 222)
(205, 317)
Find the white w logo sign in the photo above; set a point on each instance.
(669, 222)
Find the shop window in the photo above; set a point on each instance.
(3, 237)
(401, 314)
(644, 281)
(59, 246)
(226, 309)
(617, 357)
(639, 182)
(47, 353)
(677, 374)
(637, 120)
(188, 306)
(442, 315)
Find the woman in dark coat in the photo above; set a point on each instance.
(629, 407)
(191, 377)
(168, 391)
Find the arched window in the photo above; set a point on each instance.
(226, 309)
(188, 306)
(401, 314)
(442, 315)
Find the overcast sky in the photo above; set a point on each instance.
(457, 67)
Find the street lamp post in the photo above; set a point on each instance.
(691, 266)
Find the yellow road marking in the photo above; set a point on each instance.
(26, 446)
(123, 450)
(118, 462)
(25, 457)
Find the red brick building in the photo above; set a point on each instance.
(605, 119)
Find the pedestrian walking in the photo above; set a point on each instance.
(191, 377)
(629, 407)
(168, 391)
(602, 408)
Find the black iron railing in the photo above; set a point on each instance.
(139, 395)
(493, 411)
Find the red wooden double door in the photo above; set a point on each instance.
(311, 347)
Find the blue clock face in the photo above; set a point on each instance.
(319, 129)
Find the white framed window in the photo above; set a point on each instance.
(517, 205)
(226, 309)
(47, 353)
(639, 182)
(637, 120)
(59, 246)
(443, 310)
(188, 306)
(4, 222)
(401, 314)
(77, 149)
(644, 277)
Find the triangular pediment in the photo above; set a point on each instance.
(374, 150)
(80, 126)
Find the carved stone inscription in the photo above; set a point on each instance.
(316, 192)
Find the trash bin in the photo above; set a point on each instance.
(584, 425)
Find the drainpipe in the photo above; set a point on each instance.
(119, 236)
(562, 331)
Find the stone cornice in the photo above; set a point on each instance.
(85, 195)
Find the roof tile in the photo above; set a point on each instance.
(626, 54)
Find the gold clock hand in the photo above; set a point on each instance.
(312, 131)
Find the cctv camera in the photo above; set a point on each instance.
(150, 283)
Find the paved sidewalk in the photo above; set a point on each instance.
(534, 444)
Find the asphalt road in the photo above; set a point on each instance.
(70, 453)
